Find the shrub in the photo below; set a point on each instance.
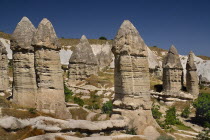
(131, 131)
(165, 138)
(68, 94)
(155, 112)
(171, 118)
(32, 110)
(204, 135)
(107, 107)
(202, 105)
(186, 112)
(78, 101)
(102, 38)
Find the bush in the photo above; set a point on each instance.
(171, 118)
(202, 105)
(186, 112)
(204, 135)
(107, 107)
(165, 138)
(131, 131)
(78, 101)
(32, 110)
(102, 38)
(155, 112)
(68, 94)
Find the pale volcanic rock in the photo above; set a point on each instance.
(83, 62)
(24, 78)
(131, 65)
(191, 76)
(50, 97)
(172, 71)
(132, 81)
(4, 78)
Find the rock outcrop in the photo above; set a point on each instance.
(24, 78)
(132, 83)
(50, 96)
(82, 63)
(104, 54)
(191, 76)
(172, 71)
(4, 78)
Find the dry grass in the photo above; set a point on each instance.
(204, 57)
(20, 134)
(129, 138)
(78, 113)
(74, 42)
(5, 35)
(205, 90)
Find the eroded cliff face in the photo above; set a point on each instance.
(50, 96)
(82, 63)
(4, 78)
(24, 78)
(132, 82)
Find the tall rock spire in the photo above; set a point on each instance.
(4, 78)
(50, 97)
(24, 78)
(131, 77)
(191, 76)
(83, 62)
(172, 71)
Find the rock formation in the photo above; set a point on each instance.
(24, 78)
(50, 96)
(132, 83)
(191, 76)
(4, 78)
(82, 63)
(172, 71)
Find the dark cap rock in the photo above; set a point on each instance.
(23, 34)
(129, 41)
(45, 36)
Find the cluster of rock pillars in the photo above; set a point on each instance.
(38, 78)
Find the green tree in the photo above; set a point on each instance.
(186, 112)
(202, 106)
(155, 112)
(102, 38)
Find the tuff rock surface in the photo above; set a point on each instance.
(50, 96)
(83, 62)
(4, 78)
(191, 76)
(132, 83)
(172, 71)
(24, 78)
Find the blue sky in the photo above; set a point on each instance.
(184, 23)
